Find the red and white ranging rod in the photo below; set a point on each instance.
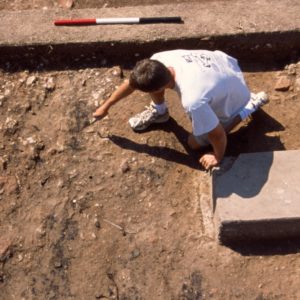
(108, 21)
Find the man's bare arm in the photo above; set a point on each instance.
(121, 92)
(218, 139)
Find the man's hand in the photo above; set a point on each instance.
(121, 92)
(100, 113)
(218, 140)
(208, 161)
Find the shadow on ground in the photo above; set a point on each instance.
(266, 248)
(255, 136)
(251, 138)
(189, 158)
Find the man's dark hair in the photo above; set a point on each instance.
(149, 75)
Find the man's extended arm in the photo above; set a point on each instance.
(218, 139)
(121, 92)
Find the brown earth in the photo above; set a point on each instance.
(101, 212)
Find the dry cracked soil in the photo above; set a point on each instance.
(101, 212)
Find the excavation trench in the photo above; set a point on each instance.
(103, 212)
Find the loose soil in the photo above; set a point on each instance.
(101, 212)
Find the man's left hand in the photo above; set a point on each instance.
(208, 161)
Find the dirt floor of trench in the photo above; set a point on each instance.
(101, 212)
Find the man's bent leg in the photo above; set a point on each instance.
(228, 126)
(256, 101)
(158, 97)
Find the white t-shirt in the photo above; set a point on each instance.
(210, 84)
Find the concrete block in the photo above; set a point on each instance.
(258, 197)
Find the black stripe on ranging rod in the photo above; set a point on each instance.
(110, 21)
(160, 20)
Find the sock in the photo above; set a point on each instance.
(247, 111)
(161, 108)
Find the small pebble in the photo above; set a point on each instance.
(31, 80)
(135, 253)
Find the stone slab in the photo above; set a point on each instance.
(233, 26)
(258, 197)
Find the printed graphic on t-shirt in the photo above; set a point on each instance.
(203, 60)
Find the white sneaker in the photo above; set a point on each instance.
(147, 117)
(258, 100)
